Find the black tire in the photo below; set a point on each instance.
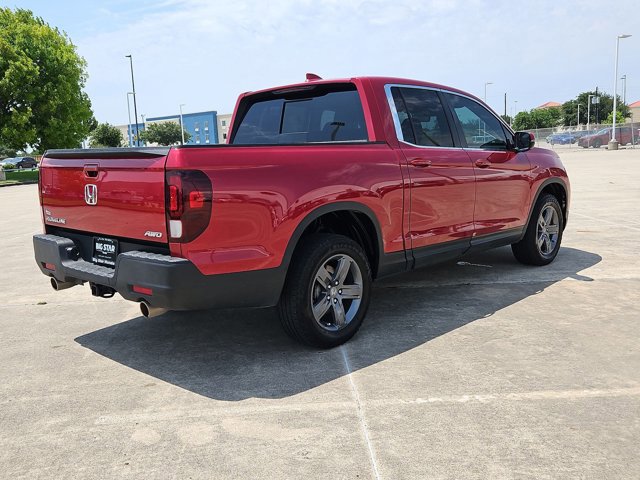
(527, 250)
(295, 307)
(597, 143)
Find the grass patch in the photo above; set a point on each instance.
(4, 183)
(21, 176)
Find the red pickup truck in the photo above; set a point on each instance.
(324, 186)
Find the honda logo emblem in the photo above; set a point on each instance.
(91, 194)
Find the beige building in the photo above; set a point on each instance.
(124, 129)
(634, 108)
(224, 121)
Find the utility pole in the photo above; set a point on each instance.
(505, 104)
(597, 104)
(613, 144)
(130, 132)
(181, 124)
(135, 105)
(485, 90)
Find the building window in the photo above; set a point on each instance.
(197, 126)
(206, 124)
(224, 123)
(224, 136)
(197, 138)
(206, 138)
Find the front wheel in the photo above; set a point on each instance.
(327, 292)
(541, 241)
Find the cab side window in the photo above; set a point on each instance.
(480, 127)
(422, 117)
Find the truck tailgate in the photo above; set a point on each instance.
(113, 193)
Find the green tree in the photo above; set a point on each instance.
(538, 118)
(165, 133)
(42, 102)
(507, 119)
(619, 118)
(597, 112)
(6, 152)
(106, 135)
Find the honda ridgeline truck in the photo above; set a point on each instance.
(323, 187)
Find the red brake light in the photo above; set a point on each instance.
(174, 203)
(188, 203)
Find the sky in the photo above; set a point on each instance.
(204, 53)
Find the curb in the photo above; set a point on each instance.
(16, 184)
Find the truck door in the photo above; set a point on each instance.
(502, 174)
(442, 182)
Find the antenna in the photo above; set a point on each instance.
(312, 77)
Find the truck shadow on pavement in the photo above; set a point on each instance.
(238, 354)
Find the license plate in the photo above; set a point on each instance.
(105, 251)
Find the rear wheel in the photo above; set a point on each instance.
(327, 291)
(541, 241)
(597, 143)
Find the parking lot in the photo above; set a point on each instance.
(482, 368)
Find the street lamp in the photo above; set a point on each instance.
(589, 110)
(144, 125)
(485, 90)
(613, 144)
(133, 85)
(181, 124)
(130, 126)
(578, 122)
(624, 89)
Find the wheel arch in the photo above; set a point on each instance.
(362, 226)
(558, 188)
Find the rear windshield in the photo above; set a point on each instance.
(314, 115)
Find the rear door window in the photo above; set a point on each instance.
(422, 117)
(317, 115)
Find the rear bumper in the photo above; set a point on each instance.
(176, 283)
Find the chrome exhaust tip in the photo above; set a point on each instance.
(149, 311)
(57, 285)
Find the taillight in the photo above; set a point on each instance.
(188, 204)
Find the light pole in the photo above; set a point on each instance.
(130, 126)
(624, 89)
(485, 90)
(578, 123)
(133, 86)
(181, 124)
(144, 125)
(589, 110)
(613, 144)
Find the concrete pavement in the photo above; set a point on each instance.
(482, 368)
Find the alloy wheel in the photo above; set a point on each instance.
(336, 292)
(548, 230)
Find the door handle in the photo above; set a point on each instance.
(91, 170)
(483, 163)
(420, 162)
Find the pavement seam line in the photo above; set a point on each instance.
(360, 412)
(617, 224)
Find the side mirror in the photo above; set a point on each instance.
(524, 141)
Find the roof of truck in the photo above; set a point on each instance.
(373, 79)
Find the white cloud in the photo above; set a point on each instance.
(205, 53)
